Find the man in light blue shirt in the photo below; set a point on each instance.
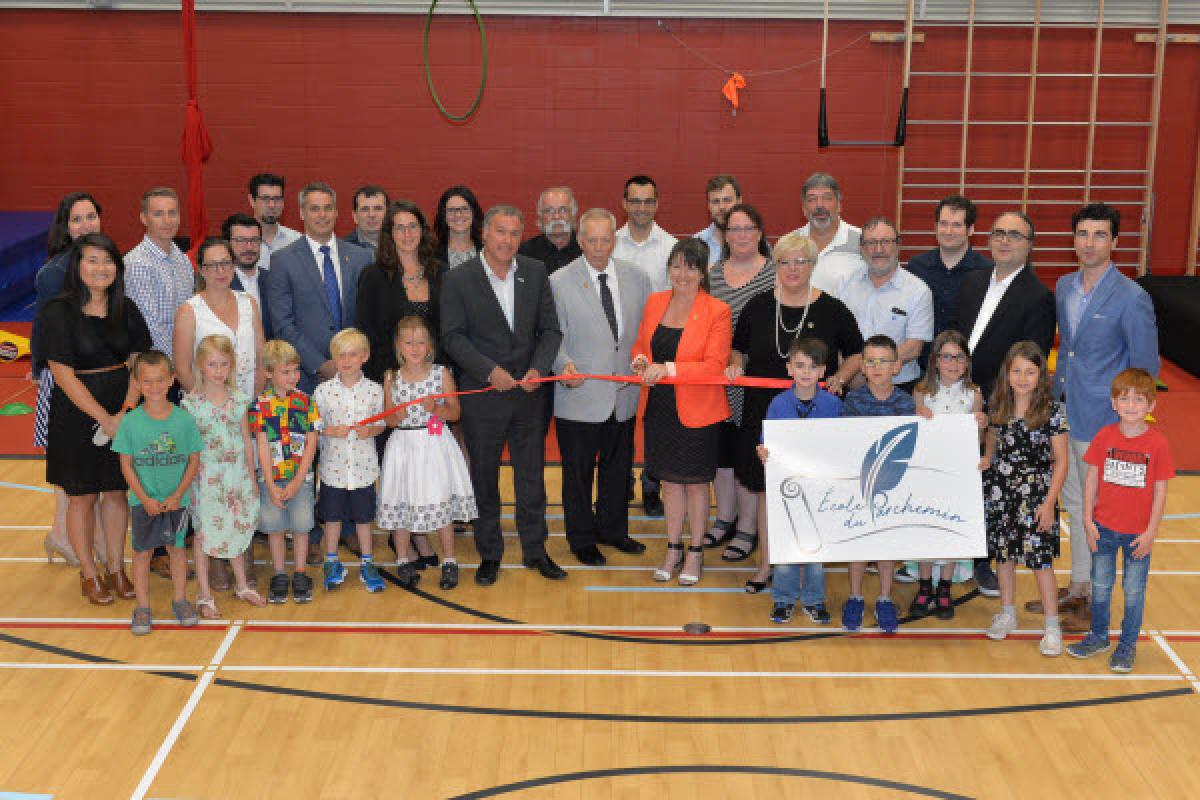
(1106, 324)
(722, 193)
(888, 300)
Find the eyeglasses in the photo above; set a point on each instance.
(217, 266)
(878, 362)
(1002, 235)
(952, 356)
(740, 230)
(246, 240)
(555, 211)
(877, 244)
(411, 227)
(794, 263)
(637, 202)
(457, 211)
(269, 198)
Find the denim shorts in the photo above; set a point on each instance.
(296, 515)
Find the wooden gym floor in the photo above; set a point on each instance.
(588, 688)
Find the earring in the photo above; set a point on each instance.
(429, 357)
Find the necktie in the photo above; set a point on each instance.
(606, 300)
(332, 293)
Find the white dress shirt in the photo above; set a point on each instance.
(611, 272)
(995, 293)
(505, 289)
(316, 246)
(901, 308)
(839, 260)
(650, 256)
(283, 237)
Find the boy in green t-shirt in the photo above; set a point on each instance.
(159, 445)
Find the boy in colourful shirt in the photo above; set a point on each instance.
(1124, 495)
(284, 421)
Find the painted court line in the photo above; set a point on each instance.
(168, 743)
(1179, 663)
(102, 666)
(26, 487)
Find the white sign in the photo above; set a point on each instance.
(874, 488)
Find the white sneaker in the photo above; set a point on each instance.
(1003, 624)
(1052, 642)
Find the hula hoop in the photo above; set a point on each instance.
(482, 71)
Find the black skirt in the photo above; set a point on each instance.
(72, 461)
(675, 453)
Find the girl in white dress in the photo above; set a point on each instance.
(424, 485)
(946, 388)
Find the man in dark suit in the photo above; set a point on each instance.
(498, 323)
(244, 234)
(1006, 304)
(313, 287)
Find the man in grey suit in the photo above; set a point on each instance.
(313, 288)
(600, 304)
(498, 322)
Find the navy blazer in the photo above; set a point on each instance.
(299, 310)
(263, 316)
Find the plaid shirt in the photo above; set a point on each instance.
(159, 283)
(861, 402)
(286, 421)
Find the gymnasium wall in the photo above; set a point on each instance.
(94, 99)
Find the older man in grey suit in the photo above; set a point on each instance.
(313, 288)
(600, 304)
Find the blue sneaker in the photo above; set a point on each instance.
(885, 615)
(370, 577)
(1122, 659)
(334, 573)
(852, 613)
(1088, 646)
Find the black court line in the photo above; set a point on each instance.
(660, 719)
(691, 769)
(697, 641)
(90, 658)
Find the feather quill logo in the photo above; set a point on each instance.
(886, 462)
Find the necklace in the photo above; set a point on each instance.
(793, 332)
(413, 279)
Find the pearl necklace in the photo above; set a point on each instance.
(793, 332)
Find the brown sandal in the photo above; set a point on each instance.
(95, 591)
(120, 584)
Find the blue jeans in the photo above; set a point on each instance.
(1133, 584)
(786, 584)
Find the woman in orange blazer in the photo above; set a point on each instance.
(685, 332)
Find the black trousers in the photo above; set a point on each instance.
(604, 450)
(518, 422)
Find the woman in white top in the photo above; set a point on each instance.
(217, 309)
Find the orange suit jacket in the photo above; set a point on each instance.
(703, 350)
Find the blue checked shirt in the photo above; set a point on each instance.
(159, 283)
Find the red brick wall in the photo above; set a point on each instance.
(94, 100)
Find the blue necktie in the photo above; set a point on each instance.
(332, 292)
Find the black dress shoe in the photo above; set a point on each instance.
(547, 568)
(628, 545)
(652, 503)
(489, 570)
(589, 556)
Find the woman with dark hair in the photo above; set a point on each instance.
(89, 336)
(77, 214)
(458, 226)
(745, 269)
(685, 332)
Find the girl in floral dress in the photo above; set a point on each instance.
(1027, 452)
(225, 494)
(424, 485)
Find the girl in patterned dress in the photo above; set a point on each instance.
(225, 494)
(946, 389)
(424, 485)
(1027, 453)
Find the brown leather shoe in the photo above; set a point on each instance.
(1035, 606)
(120, 585)
(95, 591)
(161, 566)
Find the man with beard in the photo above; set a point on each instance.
(888, 300)
(837, 241)
(556, 246)
(641, 241)
(266, 199)
(370, 205)
(722, 193)
(244, 234)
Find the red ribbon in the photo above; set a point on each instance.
(698, 380)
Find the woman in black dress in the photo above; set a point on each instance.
(770, 321)
(89, 335)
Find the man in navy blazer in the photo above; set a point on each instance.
(499, 325)
(244, 234)
(313, 288)
(1106, 324)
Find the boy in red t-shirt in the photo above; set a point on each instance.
(1124, 495)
